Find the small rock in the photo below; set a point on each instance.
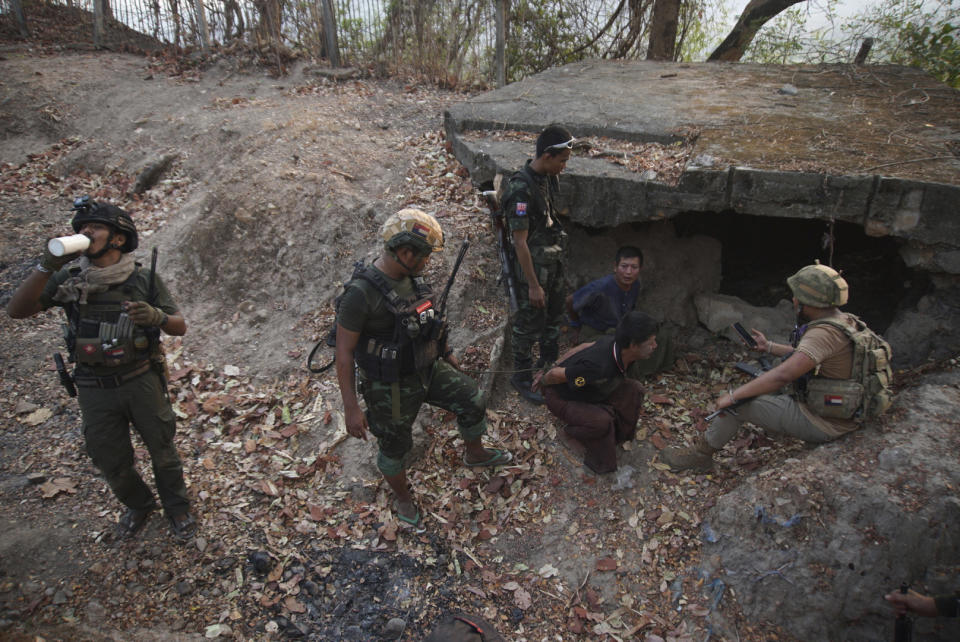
(261, 561)
(23, 407)
(146, 563)
(788, 90)
(648, 175)
(95, 613)
(395, 628)
(200, 543)
(36, 478)
(164, 577)
(184, 588)
(131, 565)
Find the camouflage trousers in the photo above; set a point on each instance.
(392, 408)
(107, 416)
(531, 324)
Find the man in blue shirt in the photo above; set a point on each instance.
(597, 308)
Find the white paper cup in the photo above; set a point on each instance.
(63, 245)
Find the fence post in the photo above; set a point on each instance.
(330, 33)
(21, 19)
(97, 24)
(499, 58)
(202, 25)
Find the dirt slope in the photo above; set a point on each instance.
(276, 187)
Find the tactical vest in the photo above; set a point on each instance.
(100, 334)
(417, 331)
(547, 244)
(867, 393)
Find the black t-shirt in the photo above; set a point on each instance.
(593, 373)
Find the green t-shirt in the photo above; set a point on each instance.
(363, 309)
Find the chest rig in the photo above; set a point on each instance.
(99, 334)
(417, 329)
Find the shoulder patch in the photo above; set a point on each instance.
(579, 382)
(521, 209)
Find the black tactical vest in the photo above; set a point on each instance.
(415, 342)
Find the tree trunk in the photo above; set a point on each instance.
(663, 30)
(330, 42)
(98, 24)
(202, 24)
(754, 16)
(499, 57)
(21, 19)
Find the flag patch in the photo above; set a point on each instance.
(420, 230)
(832, 400)
(521, 209)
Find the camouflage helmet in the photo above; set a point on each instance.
(88, 211)
(413, 227)
(819, 286)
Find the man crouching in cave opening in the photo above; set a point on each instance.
(387, 325)
(115, 311)
(838, 367)
(588, 390)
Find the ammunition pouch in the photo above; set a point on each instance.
(418, 331)
(833, 398)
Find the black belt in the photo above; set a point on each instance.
(111, 381)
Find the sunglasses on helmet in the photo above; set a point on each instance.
(562, 146)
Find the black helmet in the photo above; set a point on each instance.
(88, 211)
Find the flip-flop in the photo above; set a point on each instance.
(499, 458)
(416, 522)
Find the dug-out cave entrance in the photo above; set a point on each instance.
(760, 252)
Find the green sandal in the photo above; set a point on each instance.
(497, 458)
(415, 522)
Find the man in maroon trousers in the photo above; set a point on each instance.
(588, 391)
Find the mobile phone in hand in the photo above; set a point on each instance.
(747, 337)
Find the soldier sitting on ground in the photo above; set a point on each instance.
(113, 335)
(596, 309)
(386, 324)
(588, 391)
(839, 368)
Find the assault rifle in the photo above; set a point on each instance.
(504, 247)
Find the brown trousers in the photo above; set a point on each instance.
(599, 427)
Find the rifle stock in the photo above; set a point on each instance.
(505, 249)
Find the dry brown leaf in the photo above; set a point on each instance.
(37, 417)
(56, 486)
(606, 564)
(521, 597)
(294, 605)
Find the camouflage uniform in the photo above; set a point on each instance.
(139, 399)
(535, 210)
(393, 406)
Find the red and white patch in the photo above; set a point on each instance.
(90, 348)
(832, 400)
(521, 209)
(426, 305)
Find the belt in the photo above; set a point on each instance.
(111, 381)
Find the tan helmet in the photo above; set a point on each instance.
(819, 286)
(414, 227)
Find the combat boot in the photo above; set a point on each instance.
(698, 457)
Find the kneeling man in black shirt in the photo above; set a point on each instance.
(587, 390)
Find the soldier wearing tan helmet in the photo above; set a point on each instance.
(387, 326)
(839, 369)
(116, 311)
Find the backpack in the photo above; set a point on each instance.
(867, 394)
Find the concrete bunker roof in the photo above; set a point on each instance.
(874, 145)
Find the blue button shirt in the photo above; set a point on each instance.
(601, 304)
